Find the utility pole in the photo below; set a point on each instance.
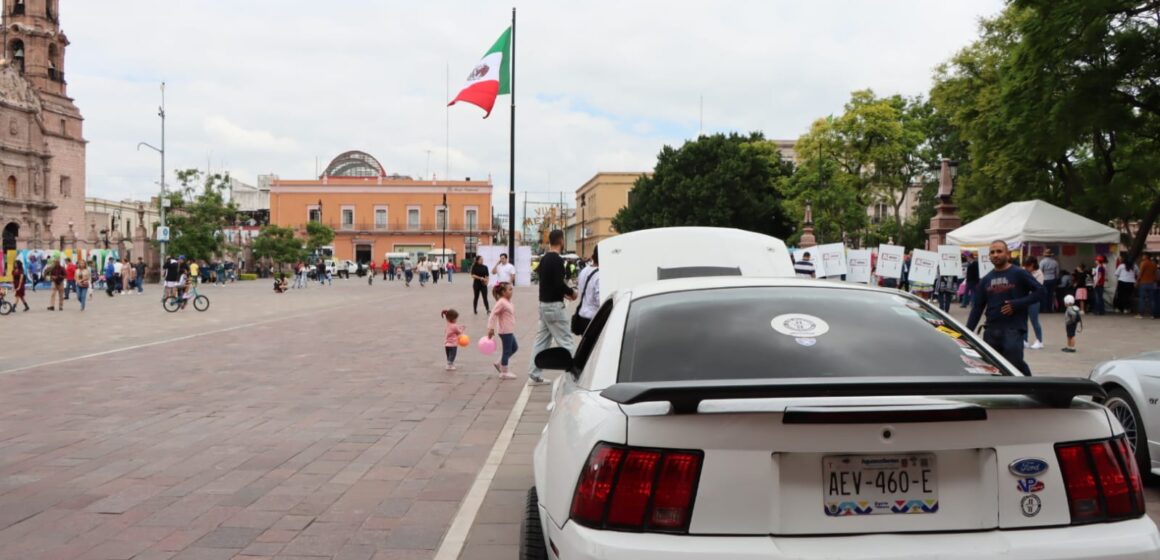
(161, 202)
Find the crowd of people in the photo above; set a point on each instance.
(425, 270)
(1015, 293)
(65, 278)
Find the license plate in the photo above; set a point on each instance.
(879, 484)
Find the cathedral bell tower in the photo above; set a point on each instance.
(51, 187)
(34, 43)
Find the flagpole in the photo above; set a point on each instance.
(512, 172)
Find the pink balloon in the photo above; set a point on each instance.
(486, 345)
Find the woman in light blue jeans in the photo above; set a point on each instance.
(83, 280)
(1032, 266)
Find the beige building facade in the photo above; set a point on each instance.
(597, 202)
(42, 147)
(116, 221)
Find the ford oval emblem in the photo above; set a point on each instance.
(1028, 467)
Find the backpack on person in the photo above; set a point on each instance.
(1073, 317)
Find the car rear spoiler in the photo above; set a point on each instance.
(686, 396)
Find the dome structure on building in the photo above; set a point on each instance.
(355, 164)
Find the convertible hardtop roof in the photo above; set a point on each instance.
(666, 254)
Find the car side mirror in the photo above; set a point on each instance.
(555, 359)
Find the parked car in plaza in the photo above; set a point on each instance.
(716, 407)
(1133, 386)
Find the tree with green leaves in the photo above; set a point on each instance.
(318, 235)
(871, 154)
(198, 214)
(279, 244)
(719, 180)
(1059, 100)
(821, 180)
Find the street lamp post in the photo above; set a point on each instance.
(583, 205)
(445, 216)
(161, 202)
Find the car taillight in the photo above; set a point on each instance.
(635, 489)
(1103, 483)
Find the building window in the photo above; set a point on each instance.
(11, 191)
(412, 218)
(18, 8)
(63, 126)
(380, 218)
(66, 187)
(313, 214)
(472, 219)
(440, 218)
(470, 247)
(347, 218)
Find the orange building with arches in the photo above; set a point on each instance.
(373, 213)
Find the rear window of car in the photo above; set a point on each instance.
(792, 332)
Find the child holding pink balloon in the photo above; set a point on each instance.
(451, 336)
(502, 321)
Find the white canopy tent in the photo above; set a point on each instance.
(1031, 227)
(1032, 221)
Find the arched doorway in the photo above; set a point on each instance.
(11, 232)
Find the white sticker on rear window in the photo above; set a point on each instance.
(800, 325)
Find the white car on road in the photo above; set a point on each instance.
(1133, 386)
(729, 411)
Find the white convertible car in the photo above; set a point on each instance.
(1133, 386)
(719, 408)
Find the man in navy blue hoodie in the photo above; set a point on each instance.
(1004, 294)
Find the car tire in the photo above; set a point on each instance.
(532, 546)
(1124, 409)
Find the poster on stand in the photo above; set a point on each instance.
(858, 266)
(890, 261)
(924, 266)
(815, 257)
(523, 266)
(950, 260)
(985, 266)
(833, 259)
(523, 262)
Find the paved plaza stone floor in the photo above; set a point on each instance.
(313, 424)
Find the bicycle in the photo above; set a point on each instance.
(173, 304)
(6, 307)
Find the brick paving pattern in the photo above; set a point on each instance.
(318, 424)
(314, 425)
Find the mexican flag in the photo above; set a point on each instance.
(490, 77)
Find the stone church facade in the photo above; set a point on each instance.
(42, 147)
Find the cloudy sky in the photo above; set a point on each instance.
(274, 86)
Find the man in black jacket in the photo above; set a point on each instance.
(553, 292)
(972, 280)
